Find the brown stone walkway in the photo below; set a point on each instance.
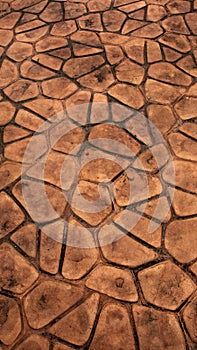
(137, 292)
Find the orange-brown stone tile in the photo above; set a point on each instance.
(9, 172)
(166, 285)
(22, 90)
(50, 251)
(189, 316)
(8, 73)
(134, 48)
(86, 37)
(58, 88)
(162, 92)
(44, 107)
(178, 42)
(91, 22)
(155, 12)
(157, 113)
(48, 61)
(19, 51)
(5, 36)
(180, 239)
(11, 215)
(26, 239)
(41, 307)
(34, 340)
(64, 28)
(17, 274)
(167, 73)
(130, 72)
(76, 67)
(73, 10)
(113, 20)
(111, 332)
(28, 120)
(9, 21)
(177, 6)
(10, 320)
(32, 35)
(114, 54)
(52, 13)
(183, 146)
(175, 24)
(29, 26)
(84, 50)
(186, 107)
(188, 65)
(127, 94)
(34, 71)
(171, 55)
(189, 129)
(95, 6)
(116, 283)
(7, 111)
(99, 80)
(49, 43)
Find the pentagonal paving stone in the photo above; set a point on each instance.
(52, 13)
(157, 113)
(77, 325)
(48, 300)
(13, 132)
(127, 94)
(175, 6)
(155, 12)
(44, 107)
(49, 43)
(34, 341)
(11, 215)
(26, 238)
(7, 111)
(157, 329)
(175, 24)
(5, 36)
(186, 107)
(19, 51)
(113, 329)
(50, 251)
(94, 6)
(161, 92)
(183, 146)
(22, 90)
(180, 239)
(76, 67)
(99, 80)
(114, 54)
(64, 28)
(32, 35)
(167, 73)
(189, 316)
(28, 26)
(34, 71)
(136, 72)
(9, 172)
(73, 10)
(8, 73)
(116, 283)
(91, 22)
(10, 325)
(17, 274)
(176, 41)
(166, 285)
(123, 250)
(58, 88)
(185, 182)
(113, 20)
(9, 21)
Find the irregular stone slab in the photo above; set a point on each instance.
(5, 37)
(22, 90)
(17, 274)
(19, 51)
(175, 6)
(77, 325)
(91, 22)
(50, 251)
(161, 92)
(10, 321)
(75, 67)
(26, 239)
(176, 41)
(188, 65)
(157, 329)
(33, 71)
(190, 129)
(130, 72)
(9, 172)
(183, 146)
(181, 240)
(113, 20)
(113, 329)
(190, 317)
(48, 61)
(99, 80)
(186, 107)
(95, 6)
(116, 283)
(166, 285)
(19, 5)
(185, 182)
(58, 87)
(114, 54)
(155, 12)
(12, 133)
(64, 28)
(83, 50)
(86, 37)
(29, 26)
(73, 10)
(9, 21)
(52, 13)
(123, 250)
(28, 120)
(167, 73)
(191, 20)
(158, 113)
(50, 42)
(153, 52)
(77, 260)
(45, 107)
(48, 300)
(8, 73)
(127, 94)
(134, 48)
(34, 341)
(175, 24)
(33, 35)
(11, 214)
(150, 31)
(7, 111)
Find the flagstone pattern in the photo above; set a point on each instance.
(137, 293)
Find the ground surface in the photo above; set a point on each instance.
(138, 292)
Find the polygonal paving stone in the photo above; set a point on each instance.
(58, 88)
(161, 92)
(132, 7)
(113, 329)
(29, 26)
(171, 55)
(7, 111)
(50, 251)
(116, 283)
(153, 52)
(113, 20)
(127, 94)
(48, 61)
(11, 215)
(185, 182)
(176, 41)
(112, 38)
(155, 12)
(9, 172)
(190, 317)
(114, 54)
(188, 65)
(26, 239)
(5, 36)
(48, 300)
(86, 37)
(157, 329)
(191, 19)
(123, 250)
(91, 22)
(158, 113)
(130, 72)
(34, 71)
(77, 108)
(78, 261)
(77, 325)
(9, 21)
(189, 129)
(175, 24)
(45, 107)
(75, 67)
(19, 51)
(134, 48)
(34, 342)
(8, 73)
(33, 35)
(28, 120)
(19, 5)
(49, 43)
(99, 80)
(177, 6)
(183, 146)
(73, 10)
(83, 50)
(150, 31)
(95, 6)
(167, 73)
(22, 90)
(186, 107)
(64, 28)
(10, 321)
(52, 13)
(166, 285)
(17, 274)
(181, 240)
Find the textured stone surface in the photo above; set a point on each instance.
(136, 61)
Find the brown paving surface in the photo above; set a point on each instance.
(140, 292)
